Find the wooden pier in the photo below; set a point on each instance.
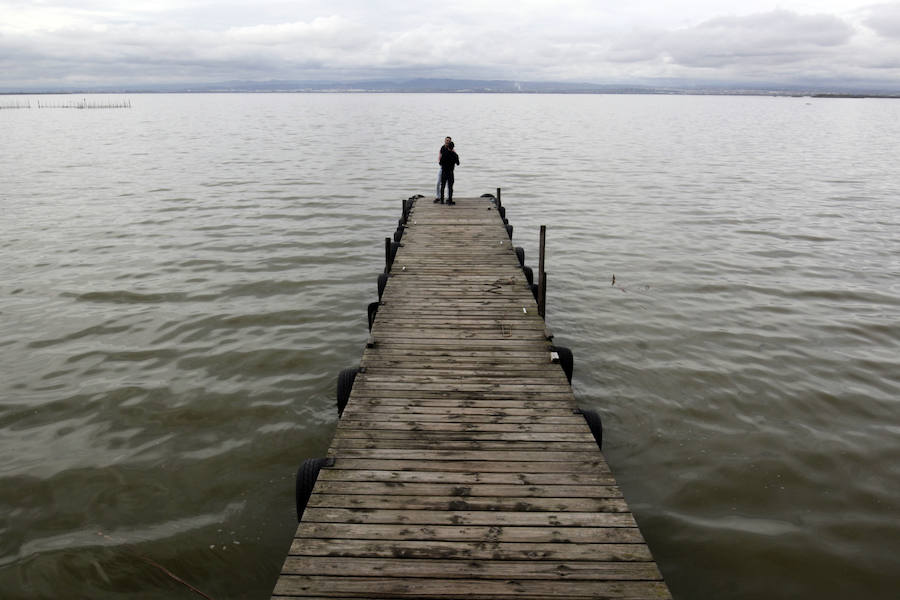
(461, 467)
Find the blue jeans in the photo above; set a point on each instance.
(437, 188)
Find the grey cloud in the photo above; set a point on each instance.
(129, 53)
(884, 19)
(772, 38)
(354, 44)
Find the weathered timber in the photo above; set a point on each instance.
(462, 467)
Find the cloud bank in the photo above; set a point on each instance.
(95, 42)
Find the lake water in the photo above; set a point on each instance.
(181, 281)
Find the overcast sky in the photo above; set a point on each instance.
(87, 42)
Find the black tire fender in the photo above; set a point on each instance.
(566, 360)
(520, 254)
(394, 247)
(595, 424)
(372, 310)
(306, 480)
(344, 386)
(382, 282)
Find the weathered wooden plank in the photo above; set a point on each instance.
(560, 397)
(460, 455)
(548, 439)
(470, 551)
(568, 420)
(463, 569)
(510, 386)
(548, 397)
(473, 466)
(424, 444)
(507, 405)
(462, 533)
(381, 587)
(413, 425)
(464, 517)
(396, 488)
(509, 503)
(411, 407)
(468, 478)
(422, 376)
(480, 367)
(481, 356)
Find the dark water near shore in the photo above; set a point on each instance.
(181, 282)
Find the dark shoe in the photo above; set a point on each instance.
(436, 200)
(451, 202)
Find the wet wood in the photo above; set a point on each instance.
(466, 517)
(462, 468)
(388, 587)
(481, 550)
(486, 569)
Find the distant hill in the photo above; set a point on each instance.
(497, 86)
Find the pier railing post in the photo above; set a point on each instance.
(387, 255)
(499, 204)
(542, 303)
(542, 275)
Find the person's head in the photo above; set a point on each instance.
(448, 141)
(451, 145)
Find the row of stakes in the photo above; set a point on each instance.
(309, 469)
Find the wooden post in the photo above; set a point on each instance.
(387, 255)
(542, 294)
(499, 204)
(542, 279)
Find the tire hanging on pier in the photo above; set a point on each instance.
(566, 360)
(520, 254)
(306, 480)
(509, 230)
(344, 385)
(372, 310)
(382, 282)
(393, 254)
(595, 424)
(529, 275)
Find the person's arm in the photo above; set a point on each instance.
(457, 157)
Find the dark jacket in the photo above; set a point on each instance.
(449, 160)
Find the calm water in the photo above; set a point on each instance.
(181, 282)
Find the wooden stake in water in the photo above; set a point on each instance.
(542, 276)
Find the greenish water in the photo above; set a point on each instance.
(182, 281)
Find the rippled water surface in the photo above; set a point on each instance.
(181, 282)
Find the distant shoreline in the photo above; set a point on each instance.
(772, 93)
(470, 86)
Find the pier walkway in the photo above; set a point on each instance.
(461, 466)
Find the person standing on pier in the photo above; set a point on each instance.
(449, 160)
(437, 188)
